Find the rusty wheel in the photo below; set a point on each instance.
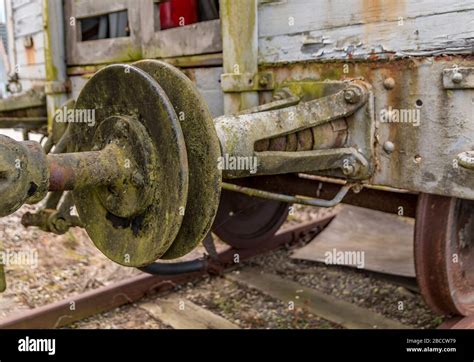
(444, 253)
(245, 222)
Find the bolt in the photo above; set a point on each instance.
(457, 77)
(352, 95)
(389, 83)
(60, 226)
(263, 81)
(388, 147)
(348, 169)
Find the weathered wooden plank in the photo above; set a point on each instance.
(201, 60)
(30, 99)
(32, 56)
(343, 313)
(32, 72)
(183, 314)
(32, 7)
(19, 3)
(102, 51)
(77, 83)
(448, 33)
(89, 8)
(208, 83)
(199, 38)
(384, 241)
(240, 48)
(206, 80)
(38, 40)
(297, 16)
(29, 20)
(28, 84)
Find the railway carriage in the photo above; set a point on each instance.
(184, 117)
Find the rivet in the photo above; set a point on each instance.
(457, 77)
(389, 83)
(388, 147)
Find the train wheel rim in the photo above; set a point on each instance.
(444, 253)
(245, 222)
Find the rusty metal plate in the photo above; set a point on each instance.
(425, 142)
(121, 92)
(458, 78)
(203, 151)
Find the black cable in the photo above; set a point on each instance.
(175, 268)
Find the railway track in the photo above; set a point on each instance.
(171, 309)
(76, 308)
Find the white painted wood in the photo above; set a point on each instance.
(19, 3)
(281, 17)
(23, 57)
(38, 40)
(35, 55)
(32, 72)
(28, 19)
(207, 82)
(32, 7)
(77, 83)
(451, 33)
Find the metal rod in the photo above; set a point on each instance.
(289, 199)
(69, 171)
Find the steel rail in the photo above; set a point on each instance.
(75, 308)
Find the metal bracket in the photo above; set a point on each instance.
(466, 160)
(458, 78)
(246, 82)
(240, 133)
(351, 163)
(56, 221)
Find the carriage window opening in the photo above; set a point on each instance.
(175, 13)
(111, 25)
